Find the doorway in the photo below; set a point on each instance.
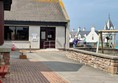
(47, 37)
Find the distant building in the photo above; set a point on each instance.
(92, 37)
(72, 36)
(81, 34)
(109, 38)
(85, 36)
(41, 23)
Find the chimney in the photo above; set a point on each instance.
(92, 29)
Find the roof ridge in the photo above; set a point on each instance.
(64, 10)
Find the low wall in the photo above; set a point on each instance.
(108, 63)
(18, 44)
(109, 51)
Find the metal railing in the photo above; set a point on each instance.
(49, 44)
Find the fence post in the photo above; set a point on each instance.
(30, 47)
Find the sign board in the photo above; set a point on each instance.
(34, 37)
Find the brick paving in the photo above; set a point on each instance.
(25, 71)
(36, 69)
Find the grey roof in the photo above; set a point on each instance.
(35, 10)
(73, 34)
(82, 33)
(97, 32)
(109, 25)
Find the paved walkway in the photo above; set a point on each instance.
(25, 71)
(53, 67)
(71, 70)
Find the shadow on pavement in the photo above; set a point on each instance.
(61, 66)
(55, 66)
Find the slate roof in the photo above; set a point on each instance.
(109, 25)
(73, 34)
(82, 33)
(35, 10)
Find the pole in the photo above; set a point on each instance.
(1, 23)
(101, 42)
(98, 43)
(30, 47)
(114, 40)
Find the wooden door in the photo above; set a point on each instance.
(47, 37)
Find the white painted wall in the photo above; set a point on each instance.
(32, 31)
(59, 41)
(94, 34)
(60, 37)
(26, 44)
(18, 44)
(67, 35)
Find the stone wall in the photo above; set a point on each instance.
(101, 61)
(110, 51)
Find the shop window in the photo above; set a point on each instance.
(16, 33)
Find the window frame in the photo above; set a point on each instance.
(16, 28)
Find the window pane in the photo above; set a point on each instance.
(43, 34)
(16, 33)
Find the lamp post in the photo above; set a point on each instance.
(30, 47)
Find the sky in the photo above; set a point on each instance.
(88, 13)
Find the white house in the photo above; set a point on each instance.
(89, 36)
(92, 37)
(72, 35)
(83, 35)
(39, 23)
